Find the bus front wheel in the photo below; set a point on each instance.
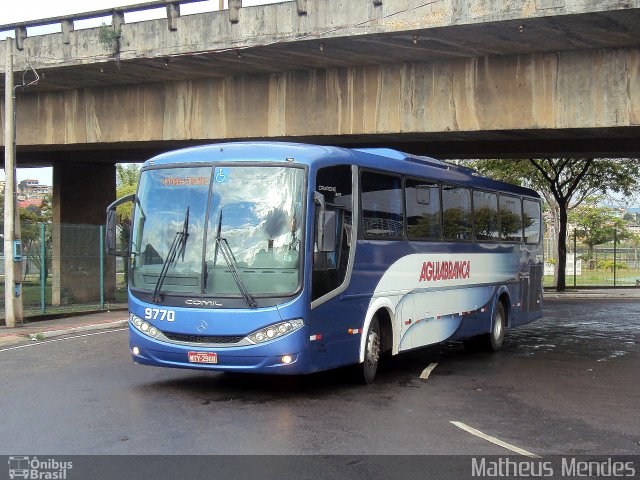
(366, 371)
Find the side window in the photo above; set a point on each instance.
(510, 219)
(485, 214)
(423, 210)
(532, 221)
(382, 213)
(456, 208)
(330, 268)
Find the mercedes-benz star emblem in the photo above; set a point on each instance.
(203, 326)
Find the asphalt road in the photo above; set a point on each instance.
(567, 384)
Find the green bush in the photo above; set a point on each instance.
(609, 264)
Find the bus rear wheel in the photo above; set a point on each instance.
(365, 372)
(492, 341)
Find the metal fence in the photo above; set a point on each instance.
(614, 264)
(64, 269)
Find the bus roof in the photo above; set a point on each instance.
(386, 159)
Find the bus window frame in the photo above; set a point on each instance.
(504, 240)
(360, 204)
(540, 230)
(355, 225)
(406, 218)
(473, 229)
(497, 240)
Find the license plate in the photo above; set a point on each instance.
(203, 357)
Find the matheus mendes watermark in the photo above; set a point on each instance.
(35, 468)
(569, 467)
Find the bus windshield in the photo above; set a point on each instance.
(218, 231)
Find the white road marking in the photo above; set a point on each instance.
(427, 371)
(494, 440)
(61, 339)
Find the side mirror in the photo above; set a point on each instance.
(110, 236)
(326, 226)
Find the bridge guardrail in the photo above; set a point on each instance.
(117, 16)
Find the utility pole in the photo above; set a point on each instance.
(12, 268)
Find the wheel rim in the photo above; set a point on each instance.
(373, 349)
(497, 326)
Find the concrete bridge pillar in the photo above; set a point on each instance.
(81, 193)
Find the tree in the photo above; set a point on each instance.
(127, 177)
(596, 225)
(127, 174)
(31, 219)
(565, 183)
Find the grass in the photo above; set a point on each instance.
(600, 278)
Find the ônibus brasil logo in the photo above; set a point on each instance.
(36, 469)
(432, 271)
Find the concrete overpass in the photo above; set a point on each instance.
(450, 78)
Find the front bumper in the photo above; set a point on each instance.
(263, 358)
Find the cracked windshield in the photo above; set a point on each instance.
(252, 236)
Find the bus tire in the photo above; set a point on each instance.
(366, 371)
(492, 341)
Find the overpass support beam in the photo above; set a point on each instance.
(21, 34)
(173, 13)
(81, 193)
(67, 30)
(117, 20)
(234, 10)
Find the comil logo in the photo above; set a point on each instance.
(37, 469)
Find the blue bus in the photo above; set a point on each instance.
(287, 258)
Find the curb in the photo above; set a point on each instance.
(83, 328)
(588, 296)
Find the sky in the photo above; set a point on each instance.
(23, 10)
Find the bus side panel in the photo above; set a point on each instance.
(531, 276)
(441, 289)
(470, 314)
(332, 321)
(424, 312)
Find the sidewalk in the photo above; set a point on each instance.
(594, 293)
(44, 329)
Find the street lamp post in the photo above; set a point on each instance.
(12, 254)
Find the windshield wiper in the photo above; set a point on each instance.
(223, 247)
(179, 242)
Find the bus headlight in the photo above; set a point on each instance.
(144, 327)
(274, 331)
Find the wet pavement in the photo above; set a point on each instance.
(565, 384)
